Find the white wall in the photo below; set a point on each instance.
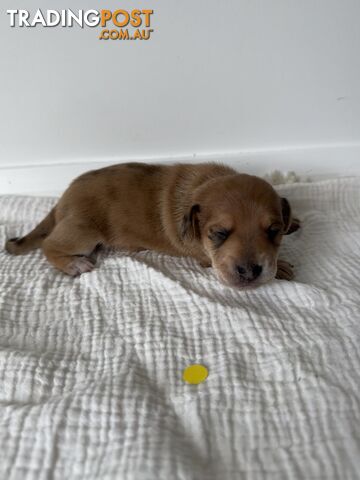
(217, 78)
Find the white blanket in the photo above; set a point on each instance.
(91, 368)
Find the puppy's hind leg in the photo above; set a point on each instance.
(70, 246)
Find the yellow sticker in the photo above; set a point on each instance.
(195, 374)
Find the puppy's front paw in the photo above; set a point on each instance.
(205, 263)
(284, 270)
(79, 265)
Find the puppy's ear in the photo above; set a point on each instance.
(286, 215)
(291, 224)
(189, 227)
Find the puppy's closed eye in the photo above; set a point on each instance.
(218, 236)
(273, 231)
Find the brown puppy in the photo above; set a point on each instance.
(233, 222)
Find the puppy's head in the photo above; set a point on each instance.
(239, 220)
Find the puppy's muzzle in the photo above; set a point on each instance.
(247, 273)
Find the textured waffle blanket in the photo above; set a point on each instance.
(91, 368)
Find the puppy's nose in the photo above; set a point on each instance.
(249, 272)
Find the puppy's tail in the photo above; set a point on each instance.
(34, 239)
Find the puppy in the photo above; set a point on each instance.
(230, 221)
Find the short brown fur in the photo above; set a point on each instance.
(177, 210)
